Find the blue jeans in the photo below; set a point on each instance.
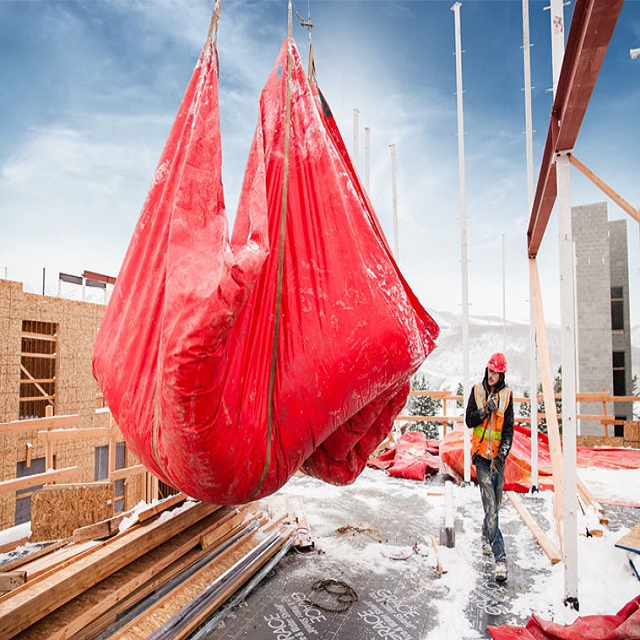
(491, 493)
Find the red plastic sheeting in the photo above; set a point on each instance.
(517, 472)
(412, 457)
(185, 355)
(625, 625)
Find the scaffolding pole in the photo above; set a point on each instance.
(463, 235)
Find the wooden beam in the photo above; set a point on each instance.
(604, 187)
(10, 580)
(23, 607)
(541, 537)
(553, 430)
(39, 478)
(72, 435)
(53, 422)
(126, 472)
(590, 32)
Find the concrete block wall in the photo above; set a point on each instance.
(619, 272)
(593, 301)
(77, 325)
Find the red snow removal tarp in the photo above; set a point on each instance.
(517, 471)
(624, 625)
(413, 457)
(227, 368)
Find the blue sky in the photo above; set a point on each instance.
(91, 87)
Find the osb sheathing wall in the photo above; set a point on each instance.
(76, 388)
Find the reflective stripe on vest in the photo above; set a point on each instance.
(488, 434)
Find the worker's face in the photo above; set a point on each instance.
(493, 377)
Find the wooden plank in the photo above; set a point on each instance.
(14, 544)
(630, 541)
(604, 187)
(172, 604)
(126, 472)
(32, 555)
(37, 479)
(553, 430)
(94, 609)
(10, 580)
(237, 520)
(72, 435)
(162, 505)
(542, 539)
(53, 422)
(24, 607)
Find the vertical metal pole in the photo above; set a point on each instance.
(504, 296)
(463, 236)
(367, 157)
(355, 139)
(394, 192)
(567, 334)
(557, 40)
(44, 271)
(533, 342)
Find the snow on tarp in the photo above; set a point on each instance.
(185, 354)
(517, 471)
(624, 625)
(413, 457)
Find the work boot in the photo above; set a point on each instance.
(486, 547)
(501, 571)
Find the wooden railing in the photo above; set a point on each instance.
(59, 430)
(591, 397)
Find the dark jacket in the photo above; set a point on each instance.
(473, 418)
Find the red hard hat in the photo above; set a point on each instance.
(497, 362)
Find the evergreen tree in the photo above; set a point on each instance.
(423, 406)
(460, 392)
(557, 389)
(525, 407)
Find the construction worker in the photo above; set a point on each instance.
(490, 415)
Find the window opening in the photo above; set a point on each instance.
(38, 367)
(102, 471)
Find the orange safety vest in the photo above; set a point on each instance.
(488, 434)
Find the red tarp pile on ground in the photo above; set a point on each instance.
(226, 369)
(624, 625)
(517, 472)
(413, 457)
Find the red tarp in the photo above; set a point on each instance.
(413, 457)
(185, 354)
(624, 625)
(517, 472)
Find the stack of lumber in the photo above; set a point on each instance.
(158, 572)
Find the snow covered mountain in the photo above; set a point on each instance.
(443, 369)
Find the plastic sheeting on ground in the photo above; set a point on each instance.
(517, 472)
(624, 625)
(413, 457)
(226, 369)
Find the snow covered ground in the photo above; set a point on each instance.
(379, 531)
(606, 579)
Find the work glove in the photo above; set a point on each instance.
(497, 464)
(492, 403)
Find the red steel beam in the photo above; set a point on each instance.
(591, 29)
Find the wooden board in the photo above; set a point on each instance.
(541, 537)
(631, 542)
(94, 609)
(57, 512)
(24, 606)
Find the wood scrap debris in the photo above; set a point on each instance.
(190, 558)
